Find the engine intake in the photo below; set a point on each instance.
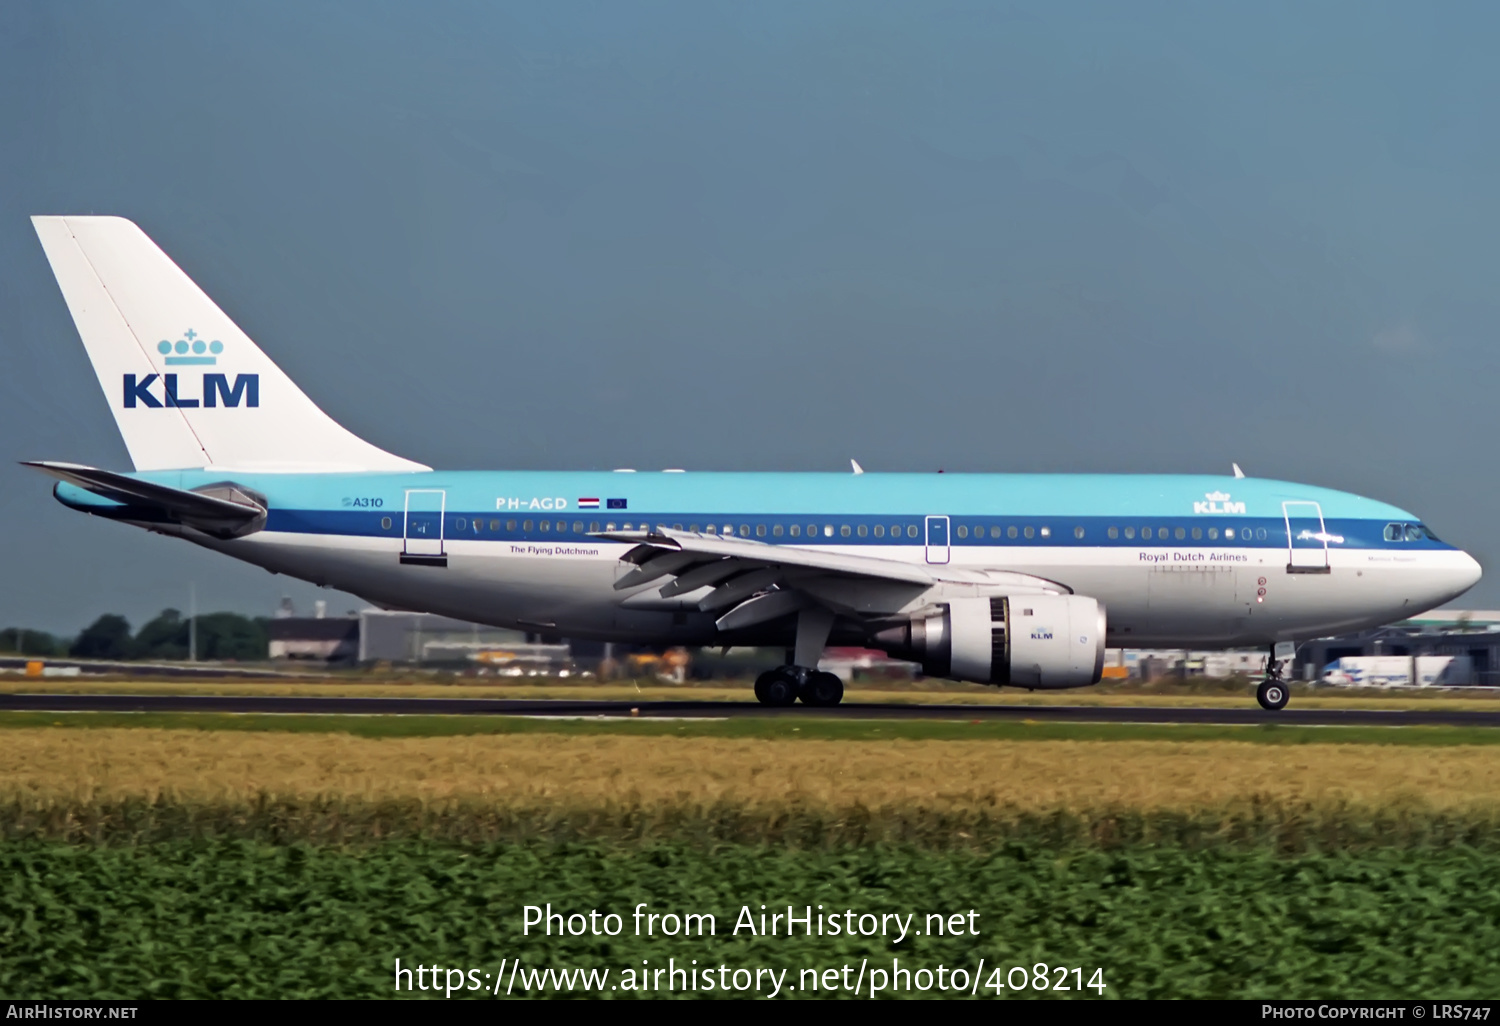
(1031, 641)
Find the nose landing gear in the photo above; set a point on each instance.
(1273, 692)
(1272, 695)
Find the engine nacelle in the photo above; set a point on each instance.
(1030, 641)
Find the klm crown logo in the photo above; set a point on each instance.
(190, 343)
(214, 390)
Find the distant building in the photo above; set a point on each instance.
(1473, 633)
(400, 637)
(326, 639)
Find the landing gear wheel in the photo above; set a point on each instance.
(823, 690)
(776, 688)
(1272, 695)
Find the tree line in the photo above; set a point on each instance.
(220, 636)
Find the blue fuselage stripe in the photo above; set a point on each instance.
(961, 531)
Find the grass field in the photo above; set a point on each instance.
(552, 769)
(787, 727)
(1199, 693)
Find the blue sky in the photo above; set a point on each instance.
(986, 237)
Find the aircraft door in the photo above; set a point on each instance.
(424, 527)
(937, 539)
(1307, 538)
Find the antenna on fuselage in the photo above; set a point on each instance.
(857, 468)
(1237, 471)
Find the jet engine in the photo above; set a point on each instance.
(1029, 641)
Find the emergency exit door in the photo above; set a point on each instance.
(1307, 538)
(937, 539)
(423, 533)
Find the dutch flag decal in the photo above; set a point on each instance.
(588, 503)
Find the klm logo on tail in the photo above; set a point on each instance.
(190, 350)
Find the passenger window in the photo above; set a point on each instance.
(1046, 532)
(712, 529)
(844, 531)
(963, 531)
(1180, 533)
(812, 530)
(578, 527)
(1114, 532)
(675, 527)
(1011, 532)
(385, 523)
(1213, 534)
(862, 530)
(594, 525)
(546, 525)
(1129, 532)
(796, 530)
(510, 525)
(776, 531)
(1229, 532)
(880, 530)
(728, 529)
(1197, 533)
(494, 525)
(1028, 532)
(461, 524)
(895, 530)
(1260, 534)
(760, 530)
(744, 530)
(911, 530)
(1077, 532)
(526, 526)
(994, 530)
(1146, 533)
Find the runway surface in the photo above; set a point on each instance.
(563, 707)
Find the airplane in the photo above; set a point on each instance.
(1016, 580)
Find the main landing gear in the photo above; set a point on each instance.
(800, 678)
(1273, 692)
(784, 685)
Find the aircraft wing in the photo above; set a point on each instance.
(222, 510)
(754, 582)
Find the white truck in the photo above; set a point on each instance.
(1396, 671)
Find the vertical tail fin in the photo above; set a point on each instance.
(187, 387)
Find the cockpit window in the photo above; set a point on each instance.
(1408, 532)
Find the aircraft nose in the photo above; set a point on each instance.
(1467, 574)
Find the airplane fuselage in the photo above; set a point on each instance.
(1174, 560)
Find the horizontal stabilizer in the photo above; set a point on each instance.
(223, 510)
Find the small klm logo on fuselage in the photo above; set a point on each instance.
(1218, 502)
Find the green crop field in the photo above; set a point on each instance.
(247, 919)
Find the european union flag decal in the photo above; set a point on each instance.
(615, 504)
